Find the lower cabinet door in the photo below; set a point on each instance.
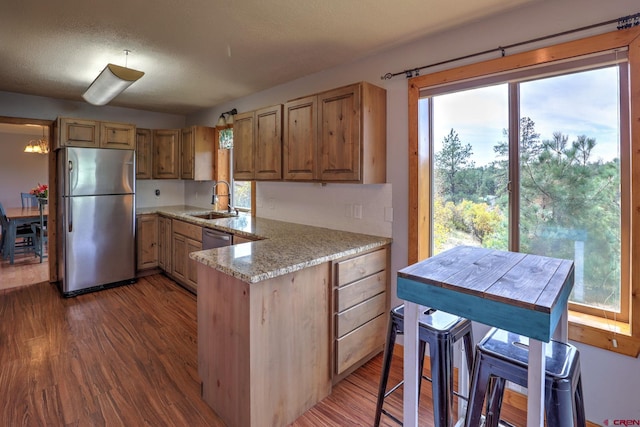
(192, 266)
(180, 254)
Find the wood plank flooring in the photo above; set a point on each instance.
(26, 270)
(128, 357)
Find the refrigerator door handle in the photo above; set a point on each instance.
(69, 209)
(69, 213)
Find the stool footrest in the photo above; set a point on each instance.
(438, 330)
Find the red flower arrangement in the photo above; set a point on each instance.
(41, 191)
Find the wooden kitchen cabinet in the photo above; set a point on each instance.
(198, 154)
(243, 142)
(78, 133)
(361, 304)
(187, 238)
(144, 154)
(300, 139)
(165, 235)
(147, 241)
(95, 134)
(117, 135)
(257, 140)
(337, 136)
(166, 154)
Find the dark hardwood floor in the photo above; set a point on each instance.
(128, 357)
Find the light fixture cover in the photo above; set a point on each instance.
(110, 83)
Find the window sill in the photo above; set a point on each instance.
(599, 332)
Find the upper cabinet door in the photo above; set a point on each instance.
(117, 135)
(166, 153)
(143, 154)
(339, 134)
(268, 143)
(187, 153)
(243, 143)
(300, 139)
(79, 133)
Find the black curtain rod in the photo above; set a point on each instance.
(623, 23)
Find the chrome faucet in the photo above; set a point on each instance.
(214, 198)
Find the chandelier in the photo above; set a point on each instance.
(40, 146)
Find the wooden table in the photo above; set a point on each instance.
(521, 293)
(17, 217)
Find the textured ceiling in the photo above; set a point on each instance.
(199, 53)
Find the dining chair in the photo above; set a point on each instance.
(23, 241)
(28, 200)
(41, 237)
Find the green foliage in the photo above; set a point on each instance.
(453, 158)
(242, 194)
(569, 204)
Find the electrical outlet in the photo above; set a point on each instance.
(357, 211)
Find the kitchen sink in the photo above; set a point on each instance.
(214, 215)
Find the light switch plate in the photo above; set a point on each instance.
(357, 211)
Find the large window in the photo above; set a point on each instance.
(535, 159)
(566, 169)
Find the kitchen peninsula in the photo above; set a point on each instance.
(283, 318)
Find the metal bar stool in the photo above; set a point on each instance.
(502, 356)
(440, 330)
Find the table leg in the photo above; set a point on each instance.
(411, 398)
(535, 383)
(562, 329)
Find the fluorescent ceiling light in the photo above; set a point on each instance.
(110, 83)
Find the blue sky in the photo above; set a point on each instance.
(583, 103)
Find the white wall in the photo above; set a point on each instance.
(298, 202)
(610, 380)
(20, 171)
(171, 192)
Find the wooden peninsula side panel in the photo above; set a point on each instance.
(264, 348)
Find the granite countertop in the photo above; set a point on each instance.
(284, 247)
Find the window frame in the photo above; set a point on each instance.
(611, 334)
(252, 209)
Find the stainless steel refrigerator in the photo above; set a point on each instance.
(96, 219)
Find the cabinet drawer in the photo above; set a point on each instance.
(359, 343)
(360, 314)
(356, 292)
(362, 266)
(189, 230)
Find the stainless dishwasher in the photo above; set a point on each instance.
(214, 238)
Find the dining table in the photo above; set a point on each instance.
(19, 216)
(522, 293)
